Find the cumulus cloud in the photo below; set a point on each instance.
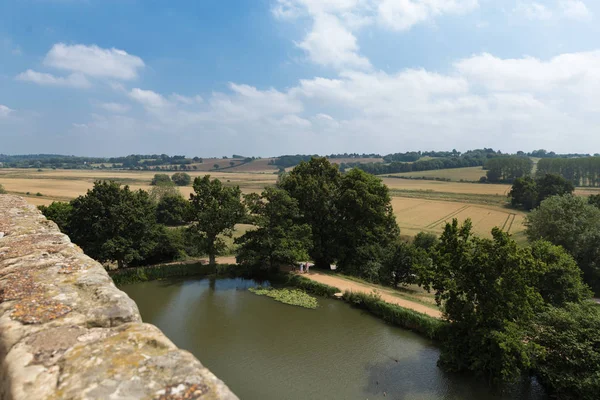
(331, 40)
(73, 80)
(5, 111)
(575, 9)
(94, 61)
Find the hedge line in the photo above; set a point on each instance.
(428, 326)
(158, 272)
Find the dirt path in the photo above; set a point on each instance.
(345, 284)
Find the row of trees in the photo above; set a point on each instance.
(579, 171)
(528, 193)
(507, 169)
(178, 178)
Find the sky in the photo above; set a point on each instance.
(270, 77)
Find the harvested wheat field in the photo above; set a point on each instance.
(447, 187)
(417, 215)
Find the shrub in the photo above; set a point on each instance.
(396, 315)
(161, 179)
(181, 179)
(39, 194)
(2, 190)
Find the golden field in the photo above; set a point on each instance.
(469, 174)
(419, 205)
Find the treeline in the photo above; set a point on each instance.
(47, 161)
(472, 158)
(507, 168)
(353, 155)
(579, 171)
(550, 154)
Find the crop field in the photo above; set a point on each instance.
(416, 215)
(419, 205)
(469, 174)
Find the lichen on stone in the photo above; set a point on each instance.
(182, 391)
(35, 311)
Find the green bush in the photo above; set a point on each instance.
(2, 190)
(428, 326)
(306, 284)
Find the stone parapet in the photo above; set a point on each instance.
(66, 331)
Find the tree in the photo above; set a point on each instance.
(172, 210)
(366, 223)
(569, 221)
(487, 290)
(569, 358)
(60, 213)
(161, 179)
(181, 179)
(112, 223)
(594, 200)
(524, 193)
(2, 190)
(232, 163)
(161, 190)
(552, 185)
(279, 239)
(401, 264)
(215, 209)
(315, 185)
(426, 241)
(560, 281)
(216, 166)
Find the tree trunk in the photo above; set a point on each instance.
(212, 259)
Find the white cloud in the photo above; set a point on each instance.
(94, 61)
(331, 40)
(330, 44)
(5, 111)
(533, 11)
(74, 80)
(186, 100)
(401, 15)
(116, 108)
(575, 9)
(148, 98)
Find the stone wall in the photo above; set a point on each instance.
(66, 331)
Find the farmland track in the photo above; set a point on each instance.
(446, 217)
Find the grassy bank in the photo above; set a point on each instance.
(158, 272)
(427, 326)
(305, 284)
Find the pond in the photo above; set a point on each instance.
(266, 350)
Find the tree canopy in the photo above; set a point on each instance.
(215, 209)
(278, 239)
(181, 179)
(161, 179)
(112, 223)
(529, 193)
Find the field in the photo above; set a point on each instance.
(419, 205)
(469, 174)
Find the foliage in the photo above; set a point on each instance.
(508, 168)
(580, 171)
(181, 179)
(160, 190)
(114, 224)
(315, 186)
(2, 190)
(366, 223)
(426, 241)
(529, 193)
(570, 222)
(560, 280)
(487, 289)
(308, 285)
(594, 200)
(170, 246)
(428, 326)
(292, 297)
(215, 209)
(172, 210)
(524, 193)
(279, 238)
(401, 264)
(128, 276)
(60, 213)
(161, 179)
(569, 361)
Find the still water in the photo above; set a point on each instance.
(266, 350)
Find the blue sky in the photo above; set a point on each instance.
(270, 77)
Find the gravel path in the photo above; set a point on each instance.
(345, 284)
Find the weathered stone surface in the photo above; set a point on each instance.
(66, 331)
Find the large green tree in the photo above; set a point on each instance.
(215, 209)
(488, 292)
(402, 263)
(569, 221)
(181, 179)
(59, 212)
(279, 238)
(172, 210)
(524, 193)
(113, 223)
(366, 223)
(315, 185)
(161, 179)
(569, 350)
